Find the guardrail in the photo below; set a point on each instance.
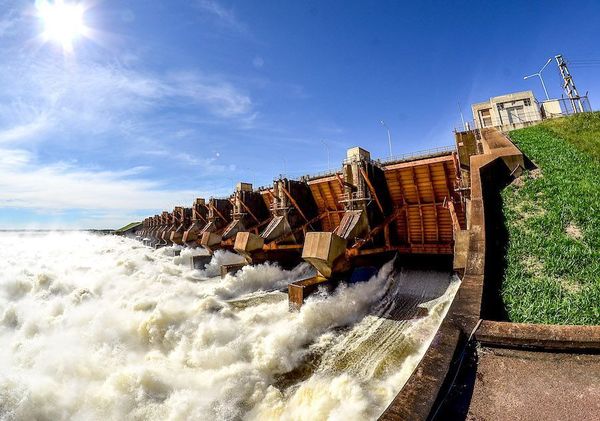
(321, 174)
(412, 156)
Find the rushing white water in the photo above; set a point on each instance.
(101, 327)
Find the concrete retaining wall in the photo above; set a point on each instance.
(535, 336)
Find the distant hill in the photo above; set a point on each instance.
(128, 227)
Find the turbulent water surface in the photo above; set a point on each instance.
(100, 327)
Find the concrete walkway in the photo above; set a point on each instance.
(525, 385)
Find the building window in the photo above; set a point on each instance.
(486, 117)
(527, 102)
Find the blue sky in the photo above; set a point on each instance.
(161, 102)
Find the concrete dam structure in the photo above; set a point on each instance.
(427, 225)
(359, 215)
(442, 203)
(428, 204)
(163, 336)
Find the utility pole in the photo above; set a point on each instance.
(569, 85)
(462, 118)
(539, 74)
(389, 136)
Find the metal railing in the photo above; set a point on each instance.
(564, 106)
(413, 156)
(509, 119)
(406, 157)
(321, 174)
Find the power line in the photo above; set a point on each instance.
(584, 63)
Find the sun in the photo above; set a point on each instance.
(63, 22)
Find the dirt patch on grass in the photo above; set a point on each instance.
(574, 231)
(528, 209)
(533, 265)
(531, 175)
(535, 174)
(518, 182)
(569, 285)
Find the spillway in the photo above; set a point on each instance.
(101, 327)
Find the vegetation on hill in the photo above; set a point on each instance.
(552, 215)
(581, 130)
(128, 226)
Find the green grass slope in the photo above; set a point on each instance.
(553, 222)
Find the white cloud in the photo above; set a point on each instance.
(102, 198)
(100, 98)
(222, 98)
(72, 105)
(89, 99)
(61, 186)
(14, 158)
(24, 131)
(225, 16)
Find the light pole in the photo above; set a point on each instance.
(389, 136)
(539, 74)
(326, 150)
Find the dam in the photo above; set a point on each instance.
(328, 211)
(417, 212)
(197, 318)
(397, 226)
(353, 293)
(359, 215)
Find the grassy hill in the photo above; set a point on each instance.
(128, 226)
(553, 222)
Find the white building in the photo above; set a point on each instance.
(510, 111)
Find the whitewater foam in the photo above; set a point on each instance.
(99, 327)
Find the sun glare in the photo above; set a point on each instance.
(63, 22)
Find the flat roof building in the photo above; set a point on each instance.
(509, 111)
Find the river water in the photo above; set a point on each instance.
(100, 327)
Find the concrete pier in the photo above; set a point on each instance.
(199, 219)
(163, 233)
(249, 213)
(218, 217)
(293, 213)
(183, 217)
